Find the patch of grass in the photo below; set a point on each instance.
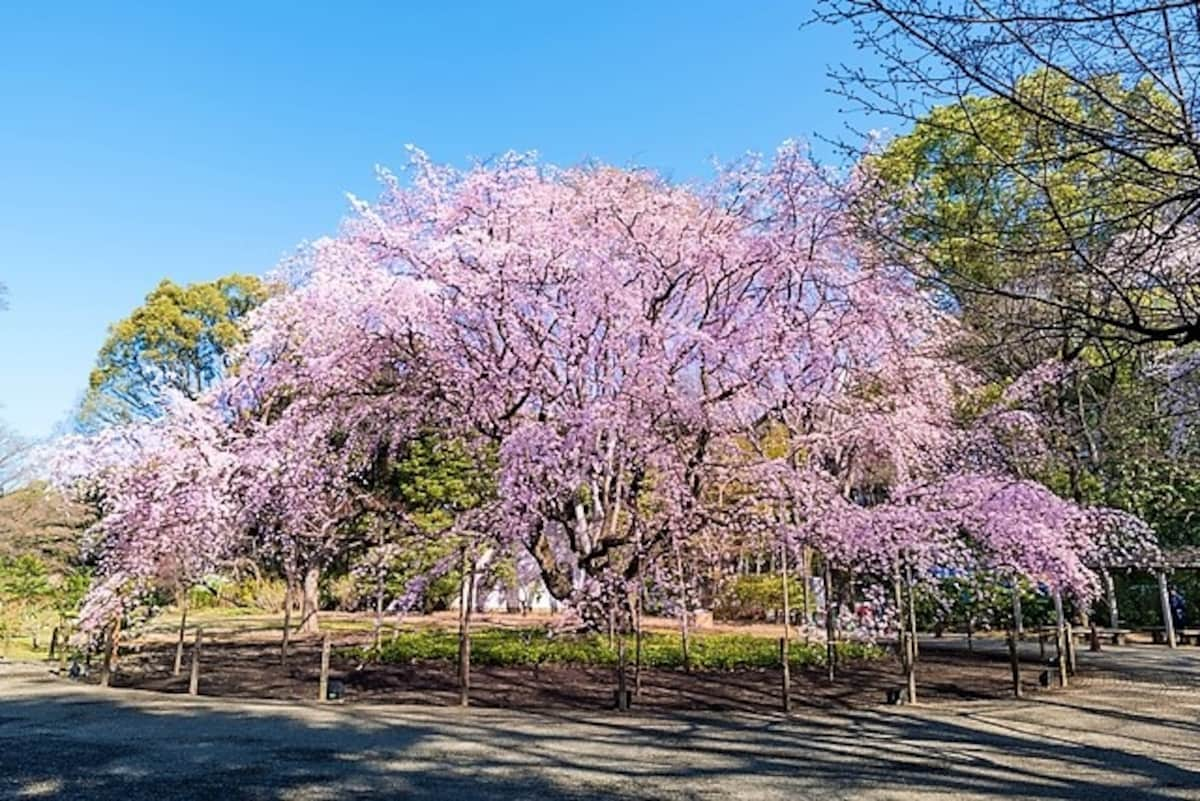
(509, 647)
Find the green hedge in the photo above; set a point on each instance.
(510, 647)
(752, 597)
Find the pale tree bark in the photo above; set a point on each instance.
(311, 599)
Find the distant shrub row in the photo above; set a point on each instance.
(514, 647)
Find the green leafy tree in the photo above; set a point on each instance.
(999, 206)
(1016, 220)
(180, 339)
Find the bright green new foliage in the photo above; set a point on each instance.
(180, 339)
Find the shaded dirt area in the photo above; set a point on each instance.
(236, 666)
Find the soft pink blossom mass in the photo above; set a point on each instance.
(657, 366)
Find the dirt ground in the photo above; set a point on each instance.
(247, 665)
(1128, 740)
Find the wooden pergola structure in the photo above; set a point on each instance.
(1183, 558)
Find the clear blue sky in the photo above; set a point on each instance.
(139, 143)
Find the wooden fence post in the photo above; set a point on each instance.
(784, 659)
(194, 679)
(622, 693)
(830, 624)
(1014, 656)
(467, 600)
(1018, 616)
(323, 684)
(179, 643)
(1059, 646)
(1014, 660)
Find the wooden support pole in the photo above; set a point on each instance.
(1014, 661)
(323, 682)
(1059, 647)
(53, 644)
(914, 643)
(467, 599)
(902, 649)
(287, 620)
(784, 662)
(1164, 596)
(1018, 616)
(637, 653)
(179, 644)
(194, 678)
(805, 573)
(787, 607)
(830, 624)
(1014, 636)
(1069, 639)
(685, 638)
(910, 668)
(622, 693)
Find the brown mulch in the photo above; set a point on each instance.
(237, 668)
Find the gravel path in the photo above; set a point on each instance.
(1135, 741)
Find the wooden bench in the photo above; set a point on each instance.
(1106, 634)
(1185, 636)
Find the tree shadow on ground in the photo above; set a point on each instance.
(63, 741)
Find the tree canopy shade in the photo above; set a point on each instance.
(179, 340)
(1085, 112)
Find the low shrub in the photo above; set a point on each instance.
(516, 647)
(757, 597)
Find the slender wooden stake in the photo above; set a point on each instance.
(785, 663)
(1069, 639)
(787, 606)
(194, 679)
(1164, 596)
(830, 625)
(1014, 662)
(908, 651)
(379, 614)
(464, 632)
(912, 613)
(622, 693)
(53, 643)
(1059, 647)
(287, 620)
(323, 683)
(182, 631)
(106, 666)
(805, 573)
(683, 616)
(637, 656)
(1014, 635)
